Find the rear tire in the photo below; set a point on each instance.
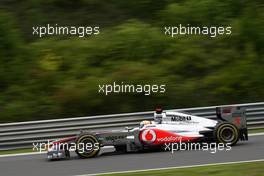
(226, 133)
(88, 146)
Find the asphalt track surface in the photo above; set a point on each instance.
(110, 162)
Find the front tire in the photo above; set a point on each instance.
(226, 133)
(88, 146)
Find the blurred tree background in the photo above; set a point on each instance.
(56, 77)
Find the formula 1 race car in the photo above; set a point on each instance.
(166, 127)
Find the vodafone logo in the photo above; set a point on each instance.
(148, 136)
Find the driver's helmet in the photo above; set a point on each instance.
(158, 115)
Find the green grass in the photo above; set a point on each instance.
(241, 169)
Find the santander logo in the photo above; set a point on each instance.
(148, 136)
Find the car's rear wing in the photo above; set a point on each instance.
(235, 115)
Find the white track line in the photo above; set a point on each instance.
(179, 167)
(256, 134)
(20, 154)
(34, 153)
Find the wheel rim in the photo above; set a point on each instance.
(87, 142)
(87, 146)
(227, 134)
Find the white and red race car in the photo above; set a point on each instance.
(166, 127)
